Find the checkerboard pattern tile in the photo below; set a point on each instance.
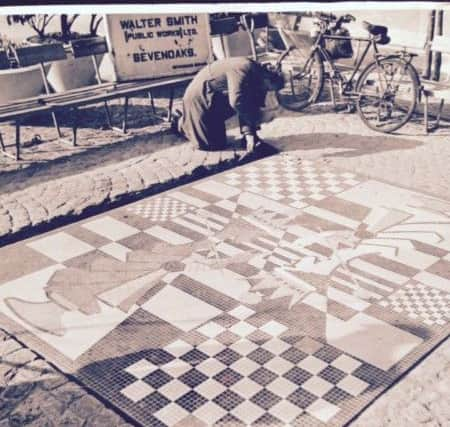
(160, 209)
(282, 293)
(431, 306)
(249, 379)
(290, 181)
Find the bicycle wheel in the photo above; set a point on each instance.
(303, 73)
(387, 94)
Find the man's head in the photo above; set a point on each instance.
(273, 79)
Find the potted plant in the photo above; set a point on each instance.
(72, 72)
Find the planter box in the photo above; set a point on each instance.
(20, 83)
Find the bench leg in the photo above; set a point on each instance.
(56, 124)
(17, 139)
(125, 116)
(438, 117)
(3, 149)
(425, 115)
(108, 114)
(169, 112)
(75, 126)
(152, 101)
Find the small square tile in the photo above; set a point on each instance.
(332, 374)
(246, 387)
(211, 329)
(293, 355)
(209, 413)
(210, 367)
(110, 228)
(171, 414)
(302, 398)
(261, 356)
(178, 348)
(276, 346)
(60, 246)
(282, 387)
(193, 378)
(273, 328)
(297, 375)
(352, 385)
(322, 410)
(228, 377)
(346, 363)
(174, 389)
(210, 388)
(194, 357)
(176, 367)
(312, 364)
(263, 376)
(308, 345)
(191, 401)
(243, 346)
(228, 356)
(265, 399)
(245, 366)
(211, 347)
(157, 378)
(228, 400)
(242, 329)
(141, 368)
(137, 391)
(317, 386)
(278, 365)
(241, 312)
(286, 411)
(247, 412)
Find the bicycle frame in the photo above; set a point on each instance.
(346, 90)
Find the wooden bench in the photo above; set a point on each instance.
(102, 92)
(437, 89)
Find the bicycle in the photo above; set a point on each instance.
(385, 93)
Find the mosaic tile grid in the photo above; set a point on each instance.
(261, 296)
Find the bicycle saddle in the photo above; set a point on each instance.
(379, 31)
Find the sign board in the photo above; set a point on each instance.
(157, 45)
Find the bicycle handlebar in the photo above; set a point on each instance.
(329, 17)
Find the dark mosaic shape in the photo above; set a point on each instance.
(373, 375)
(265, 399)
(302, 398)
(259, 337)
(191, 401)
(268, 420)
(226, 320)
(332, 374)
(229, 420)
(327, 353)
(263, 376)
(153, 402)
(293, 355)
(336, 396)
(157, 378)
(228, 377)
(228, 400)
(227, 338)
(227, 356)
(261, 355)
(193, 378)
(159, 356)
(194, 357)
(297, 375)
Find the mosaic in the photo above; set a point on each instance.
(282, 293)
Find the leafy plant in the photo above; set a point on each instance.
(40, 22)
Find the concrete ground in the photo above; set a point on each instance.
(43, 195)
